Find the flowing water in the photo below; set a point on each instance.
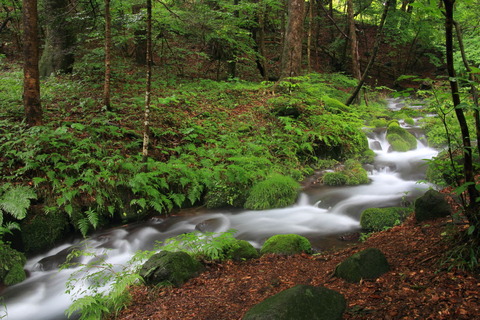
(321, 214)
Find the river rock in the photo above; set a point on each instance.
(300, 302)
(170, 267)
(431, 205)
(367, 264)
(375, 145)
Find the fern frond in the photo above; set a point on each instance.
(16, 201)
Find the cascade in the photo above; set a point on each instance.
(321, 214)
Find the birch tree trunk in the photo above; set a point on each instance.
(146, 128)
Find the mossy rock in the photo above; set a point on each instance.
(400, 139)
(336, 178)
(42, 230)
(431, 205)
(11, 261)
(301, 302)
(286, 244)
(15, 275)
(367, 264)
(170, 268)
(277, 191)
(355, 173)
(377, 219)
(243, 251)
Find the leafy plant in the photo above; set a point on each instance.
(210, 246)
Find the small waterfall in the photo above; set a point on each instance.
(321, 214)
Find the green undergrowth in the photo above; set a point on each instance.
(212, 143)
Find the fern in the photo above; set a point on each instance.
(16, 200)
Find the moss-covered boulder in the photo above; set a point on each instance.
(170, 268)
(355, 173)
(243, 251)
(277, 191)
(377, 219)
(352, 173)
(42, 230)
(300, 302)
(367, 264)
(400, 139)
(11, 265)
(431, 205)
(286, 244)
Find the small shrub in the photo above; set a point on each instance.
(377, 219)
(275, 192)
(335, 179)
(286, 244)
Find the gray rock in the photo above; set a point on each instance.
(300, 302)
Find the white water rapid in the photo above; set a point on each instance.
(321, 214)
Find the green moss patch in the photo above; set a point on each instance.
(377, 219)
(275, 192)
(286, 244)
(400, 139)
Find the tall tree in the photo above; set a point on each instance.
(31, 82)
(353, 41)
(146, 128)
(58, 53)
(108, 50)
(472, 208)
(292, 46)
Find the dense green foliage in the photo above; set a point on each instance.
(11, 264)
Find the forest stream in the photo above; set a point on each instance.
(322, 214)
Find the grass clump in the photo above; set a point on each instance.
(352, 174)
(276, 191)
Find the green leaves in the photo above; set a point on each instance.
(15, 200)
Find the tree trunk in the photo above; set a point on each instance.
(31, 82)
(470, 211)
(378, 37)
(108, 49)
(140, 46)
(473, 80)
(309, 35)
(292, 47)
(146, 129)
(58, 53)
(353, 41)
(232, 64)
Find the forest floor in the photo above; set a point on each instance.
(418, 286)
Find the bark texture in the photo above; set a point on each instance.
(292, 48)
(31, 84)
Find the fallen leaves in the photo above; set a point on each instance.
(415, 288)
